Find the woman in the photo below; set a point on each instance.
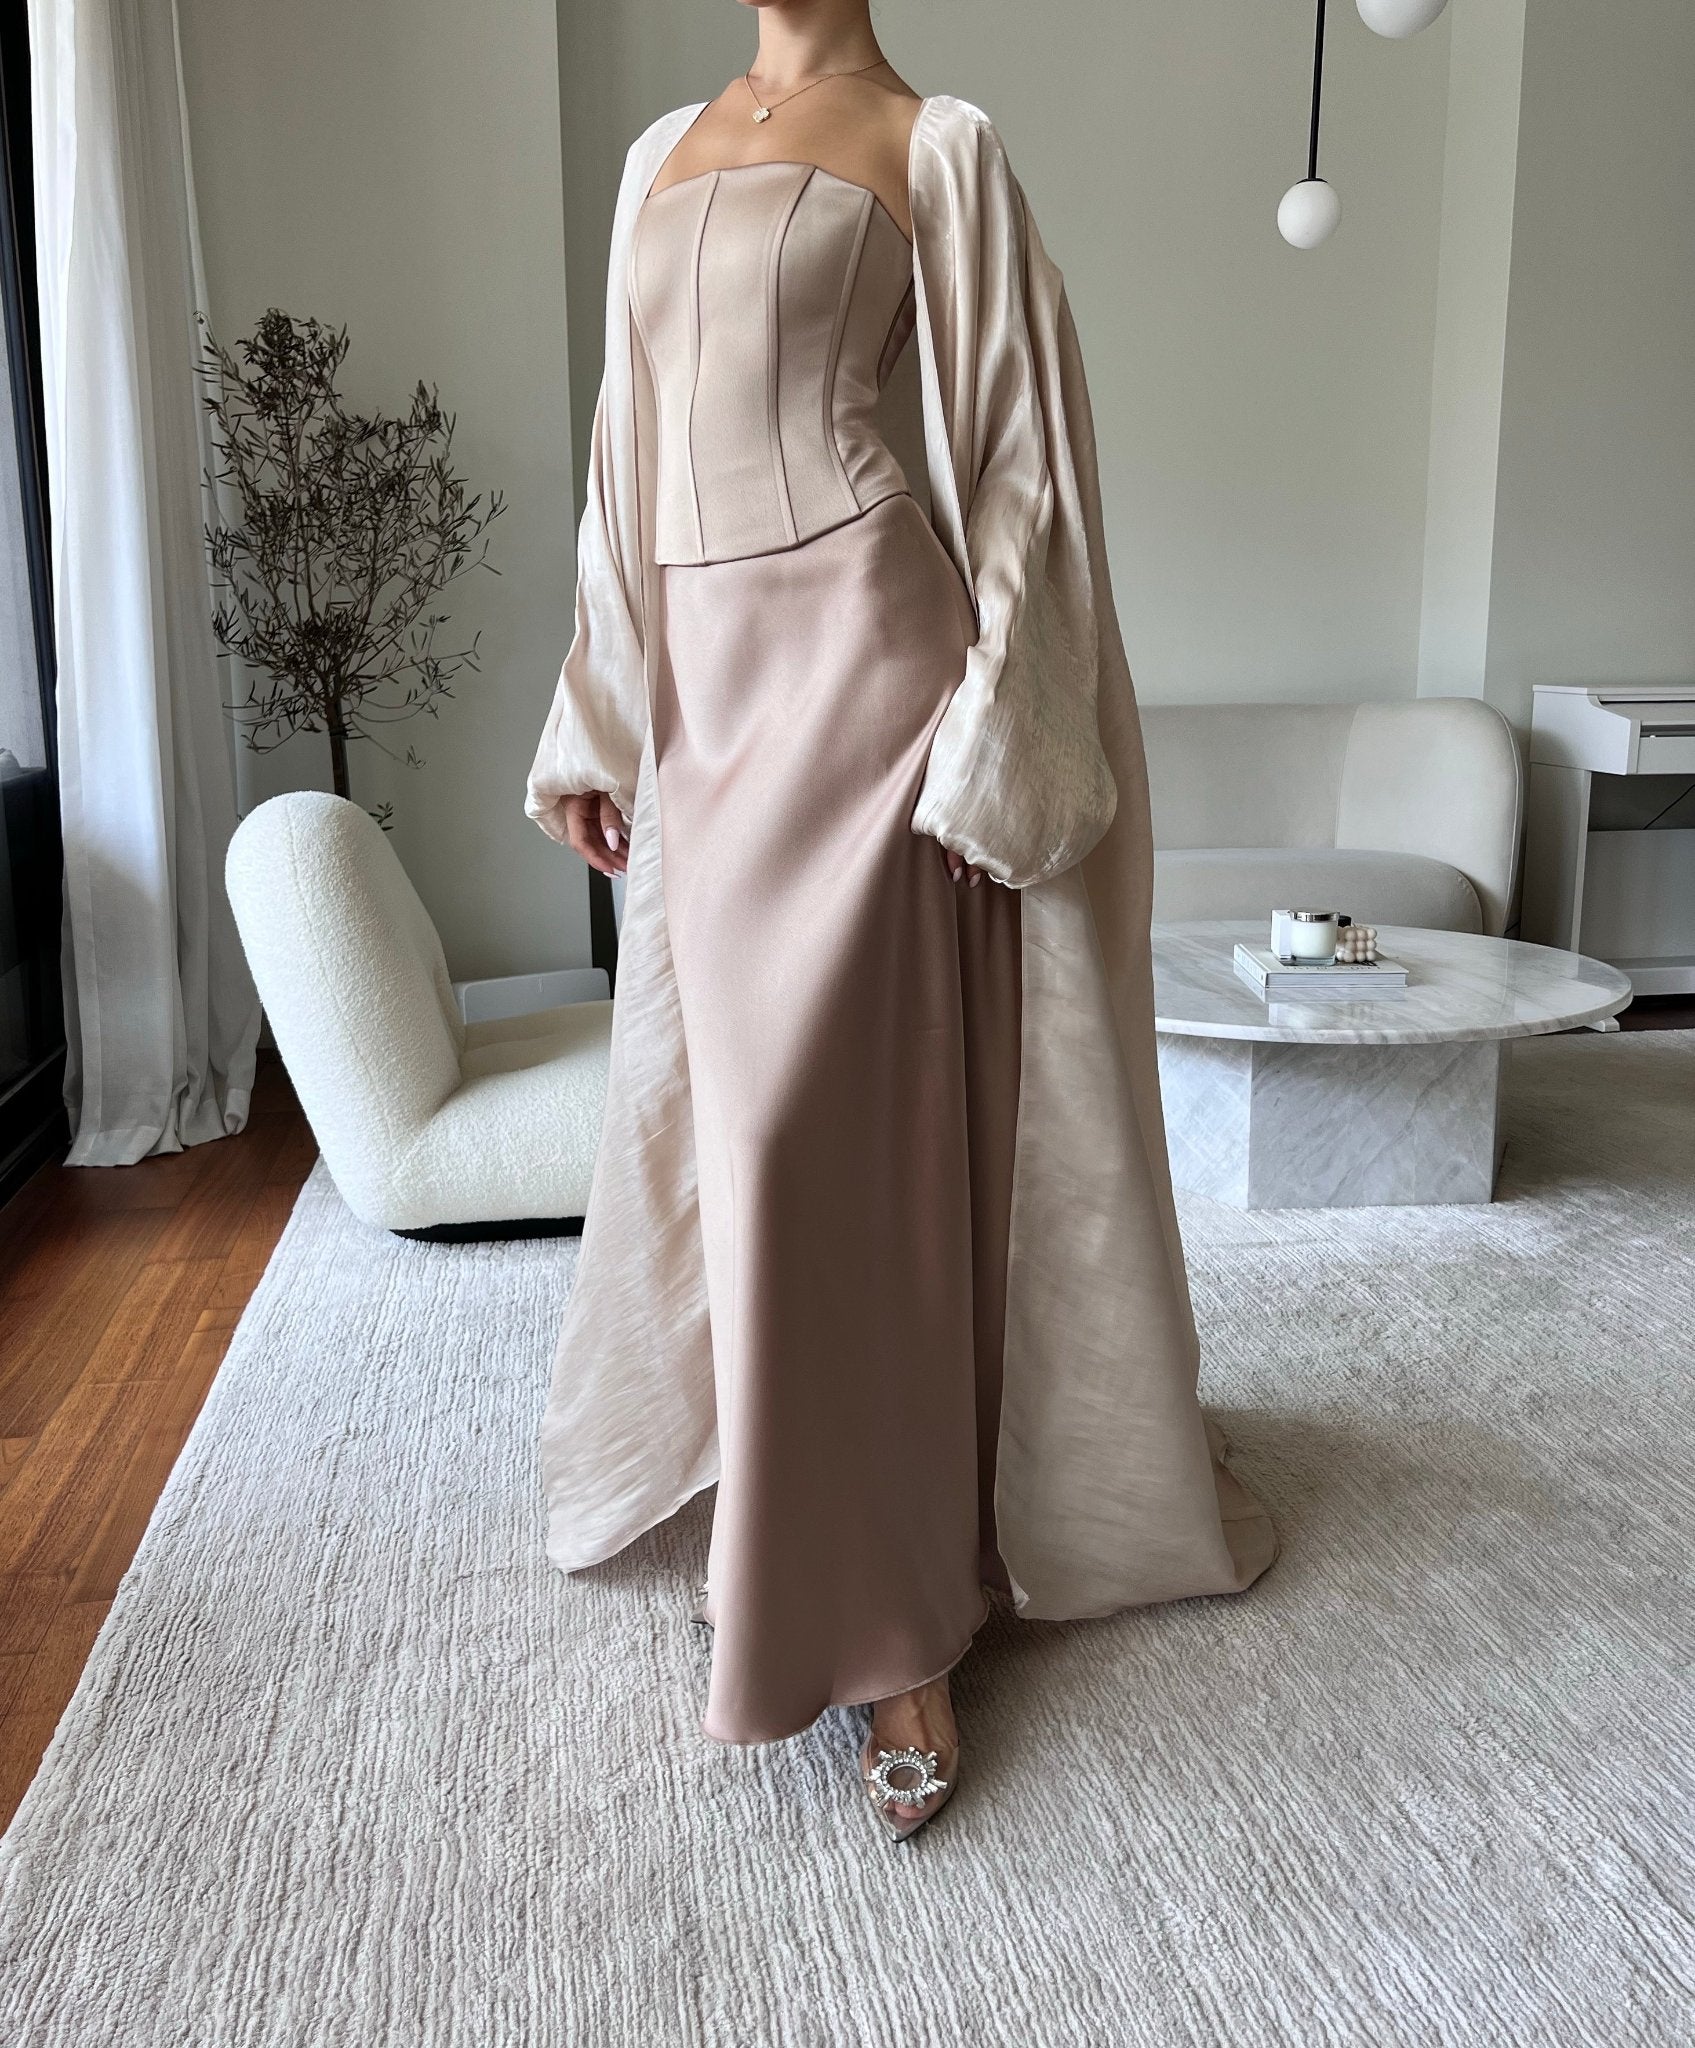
(881, 1237)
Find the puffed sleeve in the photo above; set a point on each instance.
(597, 723)
(1017, 781)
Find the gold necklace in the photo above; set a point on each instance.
(762, 112)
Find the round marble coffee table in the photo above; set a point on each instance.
(1342, 1105)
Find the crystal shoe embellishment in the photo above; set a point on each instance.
(892, 1760)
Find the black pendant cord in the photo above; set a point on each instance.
(1317, 90)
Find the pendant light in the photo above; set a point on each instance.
(1398, 18)
(1308, 212)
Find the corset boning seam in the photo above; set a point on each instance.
(850, 278)
(694, 359)
(773, 346)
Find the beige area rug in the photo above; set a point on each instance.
(351, 1765)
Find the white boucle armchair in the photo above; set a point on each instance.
(426, 1124)
(1407, 812)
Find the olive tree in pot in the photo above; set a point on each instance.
(340, 531)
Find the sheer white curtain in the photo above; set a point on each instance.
(161, 1014)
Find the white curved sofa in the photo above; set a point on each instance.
(1400, 813)
(426, 1123)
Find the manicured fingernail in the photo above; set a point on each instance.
(612, 838)
(976, 878)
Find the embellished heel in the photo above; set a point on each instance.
(902, 1808)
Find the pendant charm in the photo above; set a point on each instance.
(920, 1764)
(763, 114)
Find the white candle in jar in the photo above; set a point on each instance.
(1311, 935)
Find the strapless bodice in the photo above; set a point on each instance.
(771, 300)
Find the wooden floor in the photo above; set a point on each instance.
(119, 1291)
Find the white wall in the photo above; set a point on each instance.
(1561, 537)
(1480, 175)
(396, 166)
(1594, 573)
(1263, 415)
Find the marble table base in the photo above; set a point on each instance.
(1277, 1126)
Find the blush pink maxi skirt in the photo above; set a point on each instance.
(851, 1016)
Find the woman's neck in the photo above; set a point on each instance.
(807, 38)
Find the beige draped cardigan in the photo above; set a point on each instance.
(1110, 1487)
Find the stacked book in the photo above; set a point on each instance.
(1306, 982)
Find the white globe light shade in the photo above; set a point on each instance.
(1307, 213)
(1399, 18)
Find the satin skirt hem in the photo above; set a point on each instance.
(863, 1694)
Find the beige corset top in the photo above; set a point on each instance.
(772, 300)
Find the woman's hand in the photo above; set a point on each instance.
(960, 868)
(594, 827)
